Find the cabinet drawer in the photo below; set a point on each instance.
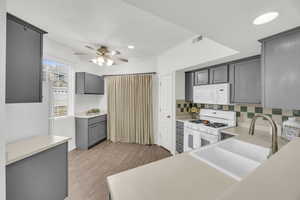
(97, 119)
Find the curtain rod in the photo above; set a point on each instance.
(130, 74)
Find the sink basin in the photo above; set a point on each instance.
(233, 157)
(245, 149)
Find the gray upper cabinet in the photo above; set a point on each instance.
(281, 70)
(202, 77)
(219, 74)
(246, 81)
(189, 85)
(24, 52)
(89, 83)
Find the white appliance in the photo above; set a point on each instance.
(207, 130)
(291, 128)
(212, 94)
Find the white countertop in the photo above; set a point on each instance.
(25, 148)
(84, 115)
(184, 177)
(175, 178)
(276, 179)
(261, 138)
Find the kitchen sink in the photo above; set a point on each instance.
(245, 149)
(233, 157)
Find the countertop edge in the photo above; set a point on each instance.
(81, 116)
(66, 139)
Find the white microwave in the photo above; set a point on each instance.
(212, 94)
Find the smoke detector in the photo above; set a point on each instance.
(197, 39)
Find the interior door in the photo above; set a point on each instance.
(165, 112)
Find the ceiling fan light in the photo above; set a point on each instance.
(100, 60)
(95, 61)
(113, 53)
(109, 62)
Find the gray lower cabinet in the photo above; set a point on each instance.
(245, 81)
(90, 131)
(24, 52)
(87, 83)
(202, 77)
(43, 176)
(189, 86)
(179, 136)
(219, 74)
(281, 70)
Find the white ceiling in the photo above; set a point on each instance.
(228, 22)
(111, 22)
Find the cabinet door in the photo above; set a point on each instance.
(179, 139)
(247, 81)
(103, 131)
(189, 86)
(219, 74)
(97, 132)
(281, 71)
(43, 176)
(201, 77)
(93, 84)
(23, 64)
(94, 133)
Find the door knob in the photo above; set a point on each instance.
(169, 116)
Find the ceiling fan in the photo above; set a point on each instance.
(104, 56)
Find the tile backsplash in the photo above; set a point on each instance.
(243, 112)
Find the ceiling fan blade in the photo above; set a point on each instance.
(91, 48)
(118, 52)
(123, 59)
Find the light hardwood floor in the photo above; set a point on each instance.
(88, 169)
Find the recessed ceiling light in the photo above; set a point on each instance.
(131, 47)
(265, 18)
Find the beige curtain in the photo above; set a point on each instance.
(130, 109)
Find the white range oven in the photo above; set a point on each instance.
(207, 130)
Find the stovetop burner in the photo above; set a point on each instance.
(197, 121)
(208, 123)
(216, 125)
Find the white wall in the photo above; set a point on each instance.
(86, 102)
(2, 98)
(185, 55)
(188, 54)
(66, 126)
(139, 65)
(27, 119)
(32, 118)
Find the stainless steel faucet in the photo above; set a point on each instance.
(274, 147)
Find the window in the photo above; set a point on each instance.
(57, 75)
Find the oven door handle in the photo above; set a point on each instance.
(209, 137)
